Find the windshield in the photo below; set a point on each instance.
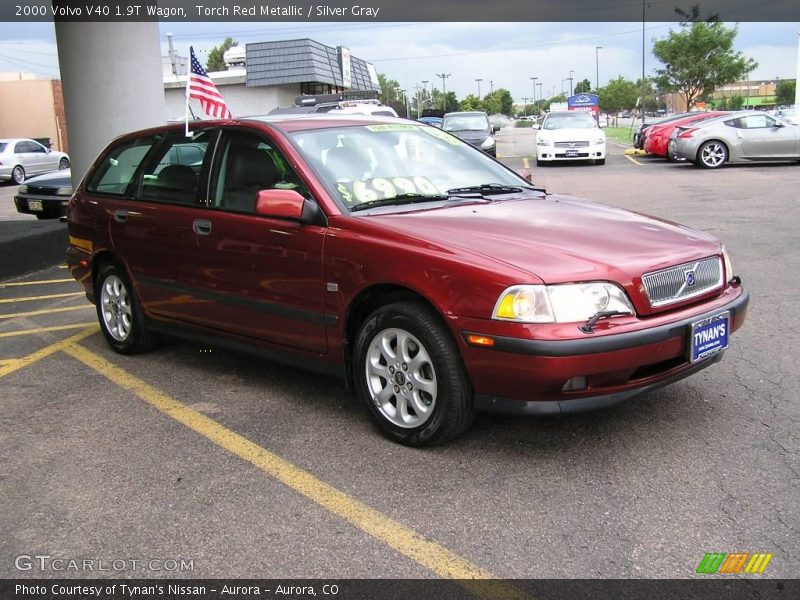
(466, 123)
(365, 163)
(575, 120)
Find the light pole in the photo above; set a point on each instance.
(533, 79)
(491, 86)
(405, 101)
(444, 76)
(563, 93)
(540, 85)
(570, 83)
(479, 87)
(597, 68)
(525, 106)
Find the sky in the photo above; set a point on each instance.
(505, 54)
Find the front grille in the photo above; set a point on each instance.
(571, 144)
(42, 191)
(681, 282)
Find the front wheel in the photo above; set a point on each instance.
(407, 369)
(119, 313)
(63, 164)
(600, 161)
(712, 155)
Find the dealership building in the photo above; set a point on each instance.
(264, 75)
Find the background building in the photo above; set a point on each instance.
(273, 74)
(33, 108)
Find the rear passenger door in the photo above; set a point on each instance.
(154, 228)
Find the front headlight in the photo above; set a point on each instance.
(726, 259)
(23, 189)
(64, 191)
(488, 143)
(565, 303)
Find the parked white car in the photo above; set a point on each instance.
(570, 136)
(21, 158)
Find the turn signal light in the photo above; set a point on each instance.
(480, 340)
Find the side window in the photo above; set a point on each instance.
(759, 121)
(116, 172)
(249, 164)
(20, 147)
(174, 174)
(34, 147)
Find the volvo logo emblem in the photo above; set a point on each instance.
(691, 278)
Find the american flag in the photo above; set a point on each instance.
(203, 89)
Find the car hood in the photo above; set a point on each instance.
(55, 179)
(566, 135)
(470, 136)
(559, 239)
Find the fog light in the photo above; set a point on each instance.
(574, 384)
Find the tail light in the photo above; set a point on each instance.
(688, 133)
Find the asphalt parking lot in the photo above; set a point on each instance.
(250, 469)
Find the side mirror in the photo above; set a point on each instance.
(778, 124)
(495, 128)
(280, 204)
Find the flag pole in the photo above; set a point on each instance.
(188, 76)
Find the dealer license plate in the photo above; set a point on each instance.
(572, 153)
(709, 336)
(35, 205)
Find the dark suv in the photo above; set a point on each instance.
(474, 128)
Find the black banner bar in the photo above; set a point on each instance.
(368, 11)
(705, 588)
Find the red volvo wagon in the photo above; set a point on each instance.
(433, 279)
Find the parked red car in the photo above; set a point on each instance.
(428, 275)
(657, 140)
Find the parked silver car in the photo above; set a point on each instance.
(21, 158)
(746, 136)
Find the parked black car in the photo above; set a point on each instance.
(45, 196)
(473, 128)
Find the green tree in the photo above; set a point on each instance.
(699, 58)
(499, 101)
(388, 92)
(736, 102)
(619, 94)
(215, 61)
(472, 102)
(784, 93)
(583, 87)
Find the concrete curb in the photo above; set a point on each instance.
(27, 246)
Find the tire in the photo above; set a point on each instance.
(540, 163)
(423, 400)
(712, 155)
(600, 161)
(63, 164)
(118, 311)
(18, 175)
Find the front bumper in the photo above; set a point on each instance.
(527, 376)
(53, 206)
(552, 153)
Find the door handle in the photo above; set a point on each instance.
(201, 226)
(120, 216)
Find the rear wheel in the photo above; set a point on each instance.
(119, 313)
(407, 369)
(18, 174)
(712, 155)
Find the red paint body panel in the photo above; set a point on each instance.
(658, 135)
(291, 286)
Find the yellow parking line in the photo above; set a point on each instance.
(35, 313)
(48, 297)
(392, 533)
(40, 282)
(526, 163)
(44, 329)
(633, 160)
(46, 351)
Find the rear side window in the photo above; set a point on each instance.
(173, 175)
(3, 146)
(117, 170)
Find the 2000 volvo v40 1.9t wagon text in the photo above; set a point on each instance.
(430, 276)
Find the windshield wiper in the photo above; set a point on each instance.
(487, 189)
(400, 199)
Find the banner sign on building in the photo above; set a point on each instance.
(347, 69)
